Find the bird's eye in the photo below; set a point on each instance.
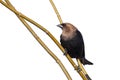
(63, 24)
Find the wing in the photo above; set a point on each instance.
(75, 46)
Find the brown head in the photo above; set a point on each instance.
(68, 31)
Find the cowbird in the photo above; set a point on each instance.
(72, 41)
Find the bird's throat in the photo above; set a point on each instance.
(68, 35)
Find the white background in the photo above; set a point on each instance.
(22, 58)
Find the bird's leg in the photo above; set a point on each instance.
(65, 53)
(81, 66)
(82, 69)
(78, 68)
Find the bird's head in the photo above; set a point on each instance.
(68, 30)
(67, 27)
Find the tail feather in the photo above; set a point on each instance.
(85, 61)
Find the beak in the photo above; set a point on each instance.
(60, 26)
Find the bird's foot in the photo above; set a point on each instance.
(65, 53)
(79, 69)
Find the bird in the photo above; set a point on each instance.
(72, 41)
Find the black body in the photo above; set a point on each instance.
(75, 47)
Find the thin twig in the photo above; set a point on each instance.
(56, 11)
